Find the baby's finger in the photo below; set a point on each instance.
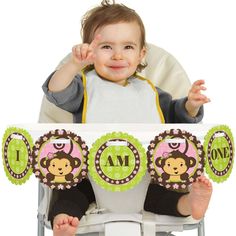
(84, 51)
(95, 42)
(90, 57)
(76, 51)
(198, 97)
(197, 88)
(199, 82)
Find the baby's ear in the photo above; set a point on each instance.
(142, 53)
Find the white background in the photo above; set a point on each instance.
(37, 34)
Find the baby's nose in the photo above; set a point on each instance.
(117, 55)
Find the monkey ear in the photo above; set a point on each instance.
(158, 161)
(43, 162)
(192, 161)
(77, 162)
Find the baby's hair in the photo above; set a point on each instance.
(107, 2)
(108, 13)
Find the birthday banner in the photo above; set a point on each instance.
(117, 156)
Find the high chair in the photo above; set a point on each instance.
(165, 72)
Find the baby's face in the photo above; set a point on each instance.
(118, 52)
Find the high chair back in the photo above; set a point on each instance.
(166, 73)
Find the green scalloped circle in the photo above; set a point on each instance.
(108, 162)
(16, 156)
(219, 163)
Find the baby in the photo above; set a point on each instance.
(99, 84)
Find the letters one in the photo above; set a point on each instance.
(118, 162)
(217, 153)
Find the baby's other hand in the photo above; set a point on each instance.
(195, 98)
(83, 54)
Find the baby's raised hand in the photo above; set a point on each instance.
(195, 98)
(83, 54)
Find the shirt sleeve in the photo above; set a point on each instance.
(68, 99)
(174, 110)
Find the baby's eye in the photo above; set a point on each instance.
(129, 47)
(106, 47)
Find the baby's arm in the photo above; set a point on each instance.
(82, 55)
(195, 98)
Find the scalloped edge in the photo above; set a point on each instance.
(95, 176)
(29, 138)
(210, 173)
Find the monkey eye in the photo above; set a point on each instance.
(168, 164)
(66, 165)
(181, 164)
(53, 165)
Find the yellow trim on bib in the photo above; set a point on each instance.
(85, 96)
(157, 96)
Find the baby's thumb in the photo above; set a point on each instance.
(91, 58)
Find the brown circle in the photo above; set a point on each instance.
(59, 133)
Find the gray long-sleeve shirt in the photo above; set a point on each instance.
(71, 100)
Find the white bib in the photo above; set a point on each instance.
(108, 102)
